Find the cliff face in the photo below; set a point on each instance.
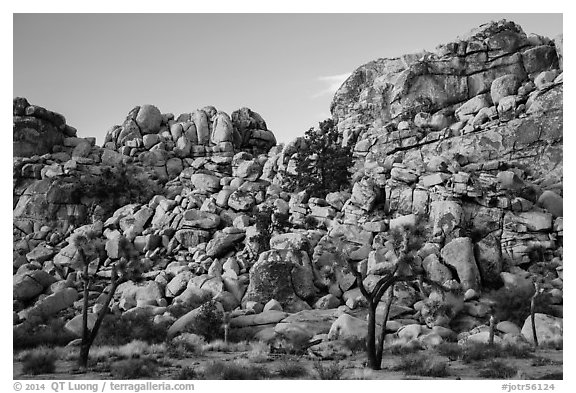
(439, 82)
(477, 124)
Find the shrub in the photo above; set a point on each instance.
(39, 361)
(451, 350)
(420, 365)
(219, 370)
(399, 349)
(120, 330)
(134, 368)
(328, 372)
(542, 361)
(186, 343)
(481, 351)
(208, 323)
(512, 304)
(497, 369)
(259, 352)
(188, 373)
(288, 369)
(355, 345)
(52, 334)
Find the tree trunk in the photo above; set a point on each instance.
(533, 316)
(380, 349)
(371, 339)
(102, 313)
(492, 327)
(84, 344)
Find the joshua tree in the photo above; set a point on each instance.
(121, 271)
(406, 241)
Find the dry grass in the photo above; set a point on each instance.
(332, 370)
(259, 352)
(234, 370)
(497, 369)
(39, 361)
(222, 346)
(134, 368)
(422, 366)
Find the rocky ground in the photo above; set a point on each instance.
(465, 141)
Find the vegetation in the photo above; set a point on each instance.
(322, 163)
(118, 186)
(515, 305)
(122, 329)
(187, 373)
(422, 366)
(135, 368)
(333, 370)
(220, 370)
(290, 369)
(473, 352)
(498, 369)
(51, 334)
(39, 361)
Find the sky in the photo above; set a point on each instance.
(94, 68)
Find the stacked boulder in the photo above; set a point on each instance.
(36, 130)
(202, 133)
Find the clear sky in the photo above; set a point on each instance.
(94, 68)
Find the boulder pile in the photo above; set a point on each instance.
(466, 141)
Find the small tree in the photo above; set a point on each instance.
(322, 164)
(406, 241)
(121, 271)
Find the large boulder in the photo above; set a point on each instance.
(348, 327)
(459, 254)
(202, 128)
(54, 303)
(222, 129)
(549, 329)
(149, 119)
(131, 294)
(28, 285)
(283, 275)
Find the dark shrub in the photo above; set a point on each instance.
(333, 370)
(134, 368)
(219, 370)
(422, 366)
(120, 330)
(451, 350)
(51, 334)
(498, 369)
(188, 373)
(288, 369)
(322, 163)
(39, 361)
